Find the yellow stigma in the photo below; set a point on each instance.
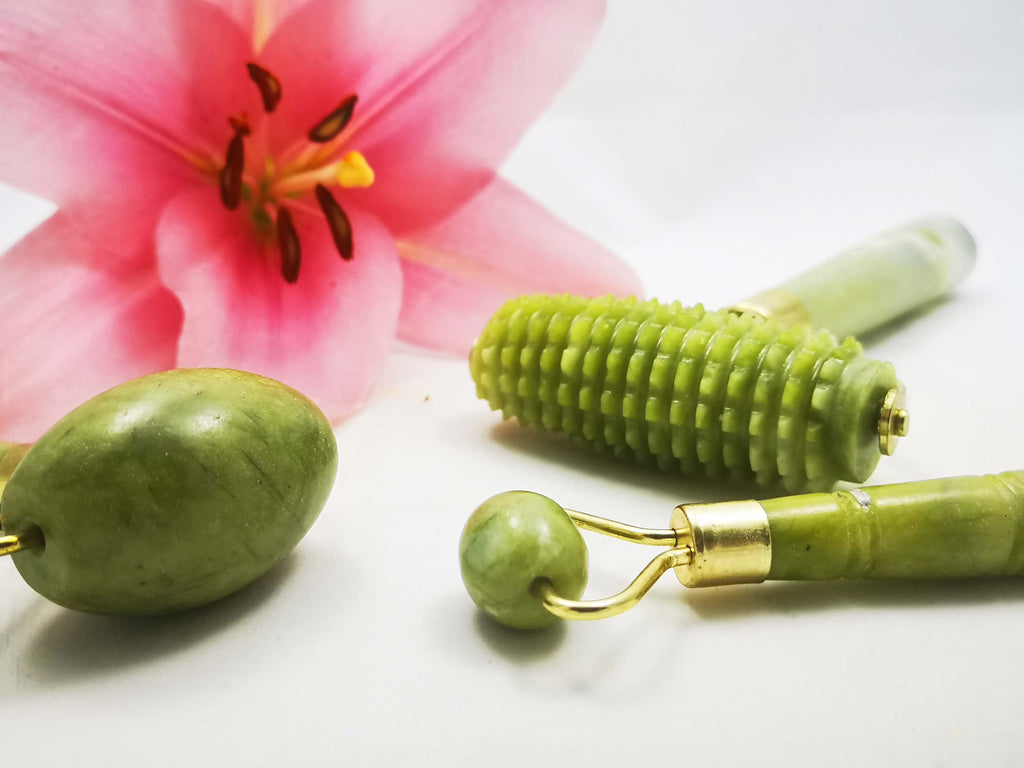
(354, 171)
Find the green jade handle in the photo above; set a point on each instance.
(869, 285)
(525, 564)
(949, 528)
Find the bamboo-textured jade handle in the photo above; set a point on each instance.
(948, 528)
(875, 282)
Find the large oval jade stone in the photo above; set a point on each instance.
(170, 491)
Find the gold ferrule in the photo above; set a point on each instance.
(893, 420)
(775, 304)
(731, 543)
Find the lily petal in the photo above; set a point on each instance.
(445, 88)
(75, 324)
(327, 335)
(258, 18)
(501, 244)
(111, 107)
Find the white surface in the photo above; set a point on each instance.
(721, 147)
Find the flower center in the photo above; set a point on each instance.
(315, 170)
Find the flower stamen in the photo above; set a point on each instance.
(231, 173)
(288, 242)
(269, 85)
(337, 220)
(334, 123)
(240, 124)
(317, 169)
(351, 171)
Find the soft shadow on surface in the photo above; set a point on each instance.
(73, 646)
(519, 645)
(558, 449)
(793, 597)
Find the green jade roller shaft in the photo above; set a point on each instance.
(866, 286)
(751, 393)
(526, 567)
(949, 528)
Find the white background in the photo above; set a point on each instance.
(720, 147)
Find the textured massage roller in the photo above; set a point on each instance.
(524, 561)
(165, 492)
(751, 391)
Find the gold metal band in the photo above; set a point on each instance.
(893, 420)
(775, 304)
(731, 543)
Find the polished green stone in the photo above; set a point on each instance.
(170, 491)
(510, 542)
(948, 528)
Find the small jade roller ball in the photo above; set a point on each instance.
(166, 492)
(748, 393)
(524, 562)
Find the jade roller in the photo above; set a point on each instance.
(752, 392)
(166, 492)
(524, 561)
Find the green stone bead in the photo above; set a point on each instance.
(512, 540)
(170, 491)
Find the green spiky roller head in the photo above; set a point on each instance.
(704, 392)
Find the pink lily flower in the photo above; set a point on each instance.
(281, 188)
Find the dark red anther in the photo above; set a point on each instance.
(334, 123)
(240, 124)
(231, 173)
(288, 241)
(270, 86)
(337, 220)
